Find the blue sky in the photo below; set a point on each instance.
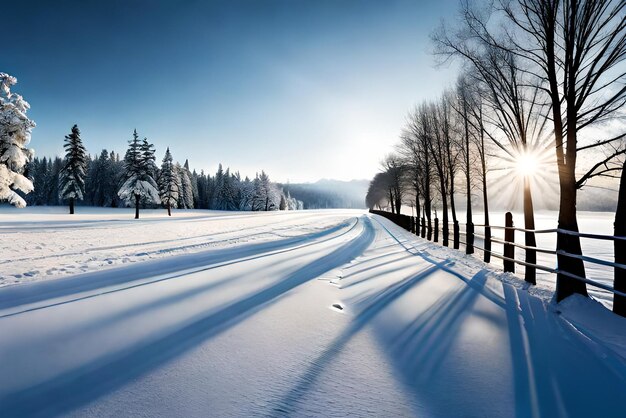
(302, 89)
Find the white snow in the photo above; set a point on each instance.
(252, 326)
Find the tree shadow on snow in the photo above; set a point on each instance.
(86, 383)
(372, 305)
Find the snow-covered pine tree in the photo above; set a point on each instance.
(266, 196)
(169, 187)
(218, 185)
(139, 170)
(186, 188)
(246, 194)
(191, 188)
(72, 176)
(228, 195)
(15, 130)
(148, 159)
(283, 202)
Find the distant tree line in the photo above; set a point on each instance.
(106, 174)
(315, 197)
(542, 87)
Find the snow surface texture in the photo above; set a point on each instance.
(40, 243)
(345, 314)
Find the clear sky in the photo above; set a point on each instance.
(303, 89)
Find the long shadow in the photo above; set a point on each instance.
(366, 259)
(557, 371)
(138, 309)
(367, 266)
(27, 293)
(423, 344)
(380, 273)
(288, 404)
(90, 381)
(164, 241)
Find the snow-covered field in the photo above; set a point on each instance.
(41, 243)
(312, 313)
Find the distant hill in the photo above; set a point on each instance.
(328, 193)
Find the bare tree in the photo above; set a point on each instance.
(461, 105)
(477, 122)
(515, 104)
(435, 128)
(575, 47)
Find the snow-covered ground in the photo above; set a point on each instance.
(41, 243)
(325, 313)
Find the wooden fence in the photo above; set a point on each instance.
(430, 231)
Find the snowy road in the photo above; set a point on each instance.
(248, 328)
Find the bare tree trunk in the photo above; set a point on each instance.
(529, 223)
(417, 212)
(469, 228)
(71, 205)
(444, 220)
(392, 201)
(398, 202)
(619, 302)
(427, 198)
(455, 222)
(169, 210)
(137, 197)
(487, 243)
(566, 286)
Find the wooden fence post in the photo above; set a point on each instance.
(436, 230)
(509, 250)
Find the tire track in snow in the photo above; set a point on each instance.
(177, 273)
(82, 384)
(169, 249)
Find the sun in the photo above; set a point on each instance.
(527, 164)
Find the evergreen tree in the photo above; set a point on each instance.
(169, 185)
(98, 179)
(194, 185)
(15, 129)
(186, 188)
(218, 185)
(246, 195)
(139, 170)
(72, 176)
(283, 202)
(202, 191)
(52, 186)
(265, 194)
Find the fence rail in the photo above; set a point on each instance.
(427, 229)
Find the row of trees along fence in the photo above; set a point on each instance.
(540, 96)
(430, 230)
